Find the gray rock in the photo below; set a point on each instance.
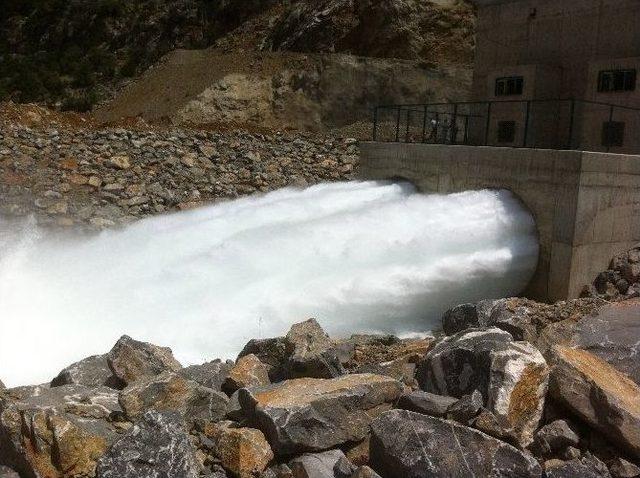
(426, 403)
(6, 472)
(621, 468)
(406, 444)
(460, 318)
(2, 386)
(460, 364)
(317, 414)
(311, 352)
(586, 467)
(272, 353)
(514, 317)
(555, 437)
(131, 360)
(210, 374)
(328, 464)
(600, 395)
(248, 371)
(277, 471)
(466, 409)
(158, 446)
(170, 392)
(92, 372)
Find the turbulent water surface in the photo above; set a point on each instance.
(359, 256)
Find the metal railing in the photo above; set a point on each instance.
(552, 124)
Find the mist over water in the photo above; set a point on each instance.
(358, 256)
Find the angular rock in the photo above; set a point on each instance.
(170, 392)
(406, 444)
(92, 372)
(243, 452)
(426, 403)
(488, 423)
(599, 394)
(317, 414)
(131, 360)
(2, 385)
(277, 471)
(519, 378)
(460, 318)
(555, 437)
(157, 446)
(621, 468)
(328, 464)
(272, 353)
(586, 467)
(249, 371)
(119, 162)
(311, 352)
(460, 364)
(47, 431)
(210, 374)
(466, 409)
(611, 332)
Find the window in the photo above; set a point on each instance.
(612, 133)
(616, 80)
(509, 86)
(506, 131)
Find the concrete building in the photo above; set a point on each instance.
(539, 51)
(561, 78)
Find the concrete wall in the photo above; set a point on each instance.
(586, 205)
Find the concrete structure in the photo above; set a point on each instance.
(559, 49)
(586, 205)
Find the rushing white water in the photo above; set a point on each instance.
(359, 256)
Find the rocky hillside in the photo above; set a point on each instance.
(74, 53)
(68, 170)
(512, 388)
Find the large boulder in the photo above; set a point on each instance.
(511, 376)
(91, 372)
(249, 371)
(49, 431)
(157, 446)
(171, 392)
(131, 360)
(317, 414)
(406, 444)
(271, 352)
(311, 353)
(585, 467)
(243, 452)
(612, 332)
(211, 374)
(595, 391)
(426, 403)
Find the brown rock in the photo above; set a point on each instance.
(317, 414)
(249, 371)
(119, 162)
(243, 452)
(311, 353)
(131, 360)
(603, 397)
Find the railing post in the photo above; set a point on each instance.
(375, 123)
(406, 134)
(571, 122)
(424, 123)
(609, 128)
(526, 124)
(486, 133)
(466, 130)
(454, 124)
(398, 125)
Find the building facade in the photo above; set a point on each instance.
(534, 56)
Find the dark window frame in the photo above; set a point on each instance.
(506, 133)
(617, 81)
(509, 86)
(613, 134)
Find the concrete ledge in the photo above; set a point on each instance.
(586, 205)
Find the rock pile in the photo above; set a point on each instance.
(621, 281)
(101, 177)
(478, 401)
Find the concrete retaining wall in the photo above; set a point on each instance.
(586, 205)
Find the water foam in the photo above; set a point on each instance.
(359, 256)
